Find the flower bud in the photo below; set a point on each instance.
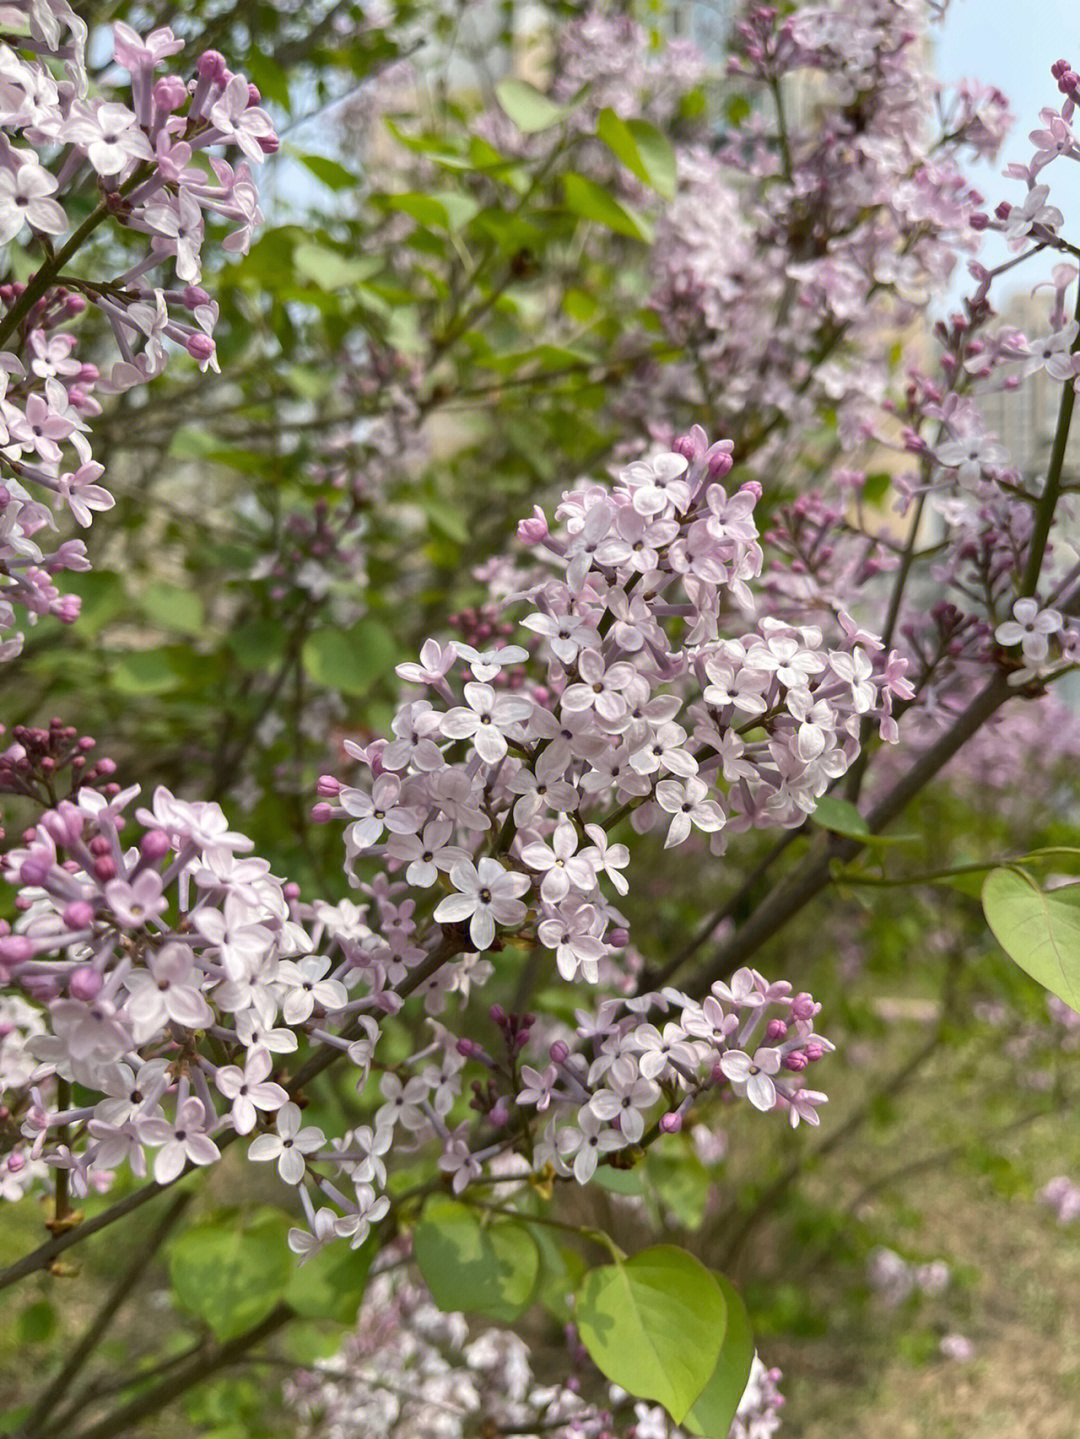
(79, 914)
(85, 983)
(211, 66)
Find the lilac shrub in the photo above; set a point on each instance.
(671, 671)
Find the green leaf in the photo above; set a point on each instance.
(715, 1406)
(328, 172)
(173, 608)
(1039, 929)
(232, 1277)
(190, 442)
(257, 644)
(424, 209)
(654, 1325)
(36, 1323)
(350, 660)
(561, 1271)
(841, 817)
(330, 1285)
(642, 149)
(530, 111)
(331, 270)
(143, 672)
(682, 1184)
(589, 200)
(482, 1269)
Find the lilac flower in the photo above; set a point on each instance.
(183, 1141)
(587, 1143)
(689, 808)
(625, 1096)
(381, 809)
(305, 987)
(561, 867)
(487, 895)
(1030, 628)
(172, 990)
(752, 1074)
(249, 1089)
(487, 720)
(289, 1145)
(570, 932)
(25, 200)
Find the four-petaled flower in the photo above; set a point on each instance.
(487, 895)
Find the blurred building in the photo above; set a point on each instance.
(1024, 419)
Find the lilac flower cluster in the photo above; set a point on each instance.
(175, 969)
(134, 163)
(409, 1369)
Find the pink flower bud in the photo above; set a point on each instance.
(85, 983)
(671, 1123)
(328, 786)
(795, 1061)
(194, 295)
(803, 1006)
(533, 531)
(34, 870)
(321, 813)
(211, 66)
(79, 914)
(200, 347)
(154, 845)
(105, 868)
(15, 949)
(559, 1052)
(169, 93)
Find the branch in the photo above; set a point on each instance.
(95, 1330)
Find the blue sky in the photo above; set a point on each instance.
(1012, 44)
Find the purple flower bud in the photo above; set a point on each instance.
(803, 1006)
(199, 346)
(533, 531)
(671, 1123)
(34, 870)
(321, 813)
(15, 949)
(774, 1030)
(269, 144)
(79, 914)
(467, 1048)
(254, 98)
(559, 1052)
(328, 786)
(795, 1061)
(500, 1114)
(105, 868)
(194, 295)
(211, 66)
(85, 983)
(169, 93)
(814, 1051)
(154, 845)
